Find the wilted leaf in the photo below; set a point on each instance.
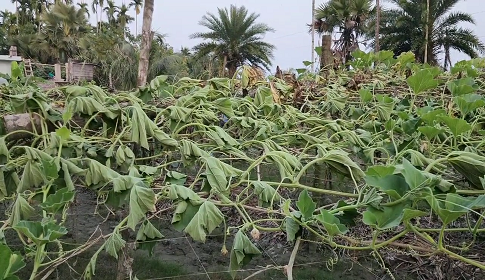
(205, 221)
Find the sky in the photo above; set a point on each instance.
(178, 19)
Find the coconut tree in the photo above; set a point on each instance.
(347, 18)
(404, 29)
(123, 18)
(235, 38)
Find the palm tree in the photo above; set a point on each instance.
(235, 38)
(404, 29)
(64, 25)
(111, 9)
(123, 18)
(137, 4)
(347, 17)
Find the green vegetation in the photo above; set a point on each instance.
(395, 147)
(407, 137)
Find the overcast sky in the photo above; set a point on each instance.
(179, 19)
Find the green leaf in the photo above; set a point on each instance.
(412, 175)
(142, 200)
(457, 126)
(331, 223)
(217, 173)
(347, 217)
(365, 95)
(243, 250)
(470, 165)
(205, 221)
(306, 205)
(265, 192)
(386, 218)
(21, 210)
(462, 86)
(292, 228)
(183, 214)
(63, 132)
(11, 263)
(430, 131)
(469, 103)
(393, 185)
(412, 213)
(422, 81)
(147, 236)
(114, 244)
(40, 233)
(56, 201)
(380, 171)
(454, 206)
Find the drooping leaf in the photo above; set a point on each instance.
(265, 192)
(147, 236)
(114, 244)
(470, 165)
(142, 200)
(21, 210)
(204, 221)
(243, 250)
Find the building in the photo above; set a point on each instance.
(6, 61)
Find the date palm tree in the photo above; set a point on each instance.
(403, 29)
(235, 38)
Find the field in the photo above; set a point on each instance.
(376, 172)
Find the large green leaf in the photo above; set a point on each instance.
(462, 86)
(412, 175)
(204, 221)
(421, 81)
(469, 102)
(453, 206)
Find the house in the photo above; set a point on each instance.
(6, 61)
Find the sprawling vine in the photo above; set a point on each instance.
(407, 140)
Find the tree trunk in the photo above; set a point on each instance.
(427, 34)
(326, 59)
(313, 34)
(378, 26)
(146, 41)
